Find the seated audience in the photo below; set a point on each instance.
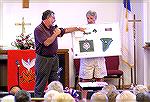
(8, 98)
(126, 96)
(49, 95)
(14, 89)
(143, 97)
(22, 96)
(140, 89)
(63, 97)
(55, 85)
(99, 97)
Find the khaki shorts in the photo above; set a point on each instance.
(92, 67)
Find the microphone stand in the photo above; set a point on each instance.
(18, 66)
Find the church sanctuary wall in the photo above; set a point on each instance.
(146, 39)
(68, 13)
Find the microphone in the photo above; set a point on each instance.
(55, 26)
(17, 63)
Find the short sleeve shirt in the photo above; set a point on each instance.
(41, 33)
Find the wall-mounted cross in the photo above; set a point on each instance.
(134, 32)
(23, 25)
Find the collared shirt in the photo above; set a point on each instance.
(41, 33)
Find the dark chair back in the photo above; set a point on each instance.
(112, 62)
(77, 68)
(77, 65)
(113, 71)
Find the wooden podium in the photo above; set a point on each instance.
(26, 77)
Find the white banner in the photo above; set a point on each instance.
(98, 40)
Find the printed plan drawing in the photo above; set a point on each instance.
(98, 40)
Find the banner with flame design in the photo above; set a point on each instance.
(21, 69)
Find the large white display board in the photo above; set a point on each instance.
(98, 40)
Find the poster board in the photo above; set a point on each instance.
(98, 40)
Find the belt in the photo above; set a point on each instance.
(51, 55)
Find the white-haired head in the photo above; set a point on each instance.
(63, 97)
(55, 85)
(126, 96)
(109, 88)
(99, 97)
(49, 95)
(8, 98)
(140, 89)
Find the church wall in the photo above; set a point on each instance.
(1, 6)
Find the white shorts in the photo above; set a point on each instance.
(92, 67)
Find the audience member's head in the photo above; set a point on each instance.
(140, 89)
(22, 96)
(14, 89)
(109, 88)
(112, 96)
(126, 96)
(99, 97)
(49, 95)
(143, 97)
(8, 98)
(55, 85)
(111, 92)
(63, 97)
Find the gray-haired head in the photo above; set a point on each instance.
(91, 13)
(112, 96)
(109, 88)
(143, 97)
(22, 96)
(47, 13)
(14, 89)
(55, 85)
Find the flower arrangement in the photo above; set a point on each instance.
(23, 42)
